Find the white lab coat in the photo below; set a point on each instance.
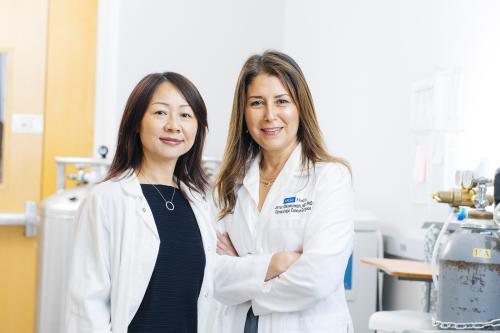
(115, 249)
(312, 214)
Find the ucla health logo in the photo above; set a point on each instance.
(293, 205)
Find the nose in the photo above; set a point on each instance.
(172, 124)
(269, 112)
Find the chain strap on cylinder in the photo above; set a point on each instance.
(465, 326)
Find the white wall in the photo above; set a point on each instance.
(361, 58)
(207, 41)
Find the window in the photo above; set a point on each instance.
(3, 79)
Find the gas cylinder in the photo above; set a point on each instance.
(57, 215)
(469, 275)
(469, 261)
(56, 235)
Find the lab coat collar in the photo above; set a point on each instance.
(130, 183)
(251, 180)
(131, 186)
(252, 177)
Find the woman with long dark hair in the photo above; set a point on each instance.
(280, 191)
(143, 246)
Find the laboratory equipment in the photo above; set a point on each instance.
(469, 261)
(361, 281)
(56, 234)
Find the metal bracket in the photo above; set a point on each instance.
(29, 219)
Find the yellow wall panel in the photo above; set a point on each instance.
(23, 37)
(18, 264)
(51, 52)
(71, 57)
(25, 46)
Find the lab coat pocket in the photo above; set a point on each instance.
(298, 322)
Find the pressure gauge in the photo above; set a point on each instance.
(468, 179)
(103, 151)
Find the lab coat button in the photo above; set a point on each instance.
(144, 210)
(206, 294)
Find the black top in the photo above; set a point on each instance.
(170, 301)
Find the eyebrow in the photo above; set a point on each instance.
(277, 96)
(168, 105)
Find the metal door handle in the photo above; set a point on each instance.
(28, 219)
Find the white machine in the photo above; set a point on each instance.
(361, 281)
(56, 233)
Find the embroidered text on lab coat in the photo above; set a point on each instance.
(293, 205)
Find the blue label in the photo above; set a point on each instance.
(348, 275)
(288, 200)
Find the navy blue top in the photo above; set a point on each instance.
(170, 302)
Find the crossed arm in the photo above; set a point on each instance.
(303, 278)
(279, 263)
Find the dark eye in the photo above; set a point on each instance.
(282, 101)
(186, 115)
(256, 103)
(160, 112)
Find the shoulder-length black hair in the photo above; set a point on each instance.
(129, 152)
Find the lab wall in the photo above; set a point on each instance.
(207, 41)
(363, 60)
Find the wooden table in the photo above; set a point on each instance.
(402, 269)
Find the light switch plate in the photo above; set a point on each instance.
(27, 123)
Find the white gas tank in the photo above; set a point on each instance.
(55, 244)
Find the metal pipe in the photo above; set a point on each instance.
(28, 219)
(12, 219)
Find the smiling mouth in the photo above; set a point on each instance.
(271, 131)
(170, 141)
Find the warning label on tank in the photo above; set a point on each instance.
(481, 253)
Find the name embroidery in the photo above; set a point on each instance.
(293, 205)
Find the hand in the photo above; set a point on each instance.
(225, 246)
(280, 263)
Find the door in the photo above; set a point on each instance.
(23, 40)
(48, 50)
